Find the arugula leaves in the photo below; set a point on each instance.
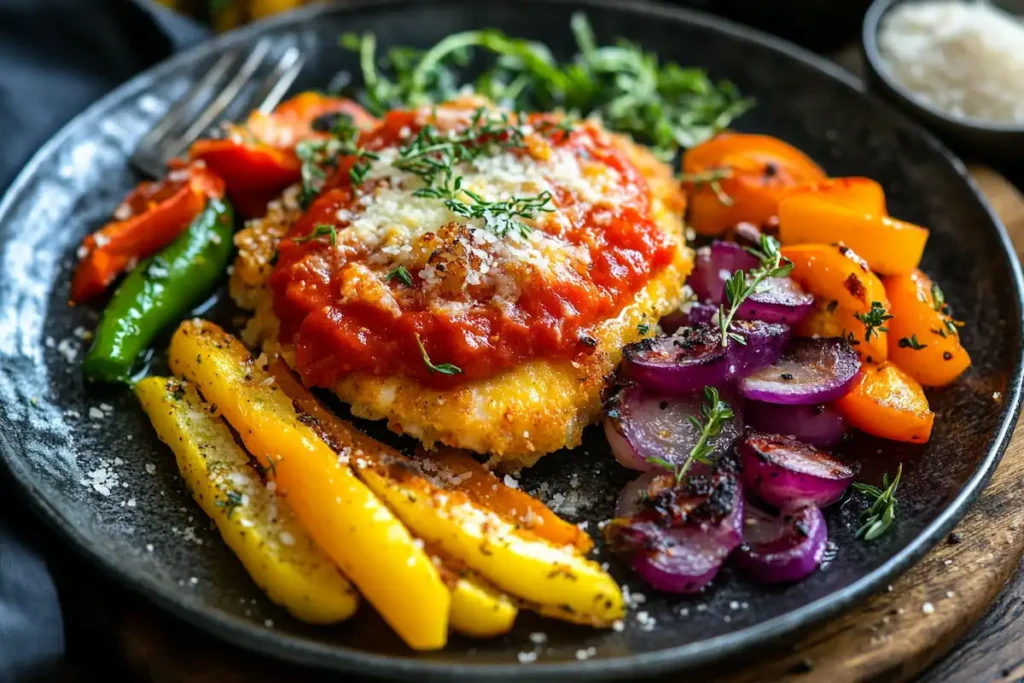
(665, 105)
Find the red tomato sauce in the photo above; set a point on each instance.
(335, 335)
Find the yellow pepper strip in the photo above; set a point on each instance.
(479, 610)
(372, 547)
(255, 523)
(513, 505)
(530, 568)
(555, 577)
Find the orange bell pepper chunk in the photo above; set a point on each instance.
(890, 246)
(149, 218)
(844, 287)
(889, 403)
(923, 338)
(257, 159)
(858, 194)
(737, 177)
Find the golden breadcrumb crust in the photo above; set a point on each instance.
(517, 415)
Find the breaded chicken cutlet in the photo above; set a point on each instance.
(470, 276)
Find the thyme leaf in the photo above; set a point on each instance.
(443, 369)
(880, 515)
(714, 415)
(402, 274)
(911, 343)
(318, 232)
(740, 285)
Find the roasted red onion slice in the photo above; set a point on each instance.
(635, 492)
(714, 265)
(784, 548)
(777, 300)
(819, 425)
(788, 474)
(811, 371)
(694, 357)
(679, 538)
(641, 427)
(765, 343)
(694, 314)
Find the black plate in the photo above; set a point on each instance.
(51, 445)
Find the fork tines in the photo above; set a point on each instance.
(228, 83)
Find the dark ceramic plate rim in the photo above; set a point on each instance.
(704, 652)
(869, 37)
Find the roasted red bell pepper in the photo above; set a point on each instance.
(150, 217)
(257, 159)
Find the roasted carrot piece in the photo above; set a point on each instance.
(845, 288)
(889, 403)
(736, 177)
(257, 159)
(149, 218)
(890, 246)
(512, 504)
(923, 337)
(855, 193)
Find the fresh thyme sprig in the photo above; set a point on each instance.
(715, 414)
(911, 342)
(662, 104)
(402, 274)
(713, 180)
(874, 320)
(434, 155)
(882, 512)
(741, 285)
(318, 156)
(950, 325)
(443, 368)
(318, 232)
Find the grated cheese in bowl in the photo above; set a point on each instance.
(966, 58)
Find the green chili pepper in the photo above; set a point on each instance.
(159, 291)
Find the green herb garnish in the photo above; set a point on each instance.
(232, 500)
(911, 343)
(882, 512)
(318, 232)
(742, 284)
(665, 105)
(434, 155)
(715, 414)
(402, 274)
(874, 320)
(713, 180)
(443, 369)
(938, 298)
(318, 156)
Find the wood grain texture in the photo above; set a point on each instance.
(993, 650)
(890, 637)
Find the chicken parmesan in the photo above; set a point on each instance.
(467, 273)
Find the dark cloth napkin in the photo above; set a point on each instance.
(57, 57)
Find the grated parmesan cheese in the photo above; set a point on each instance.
(966, 58)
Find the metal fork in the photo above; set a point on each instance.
(174, 133)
